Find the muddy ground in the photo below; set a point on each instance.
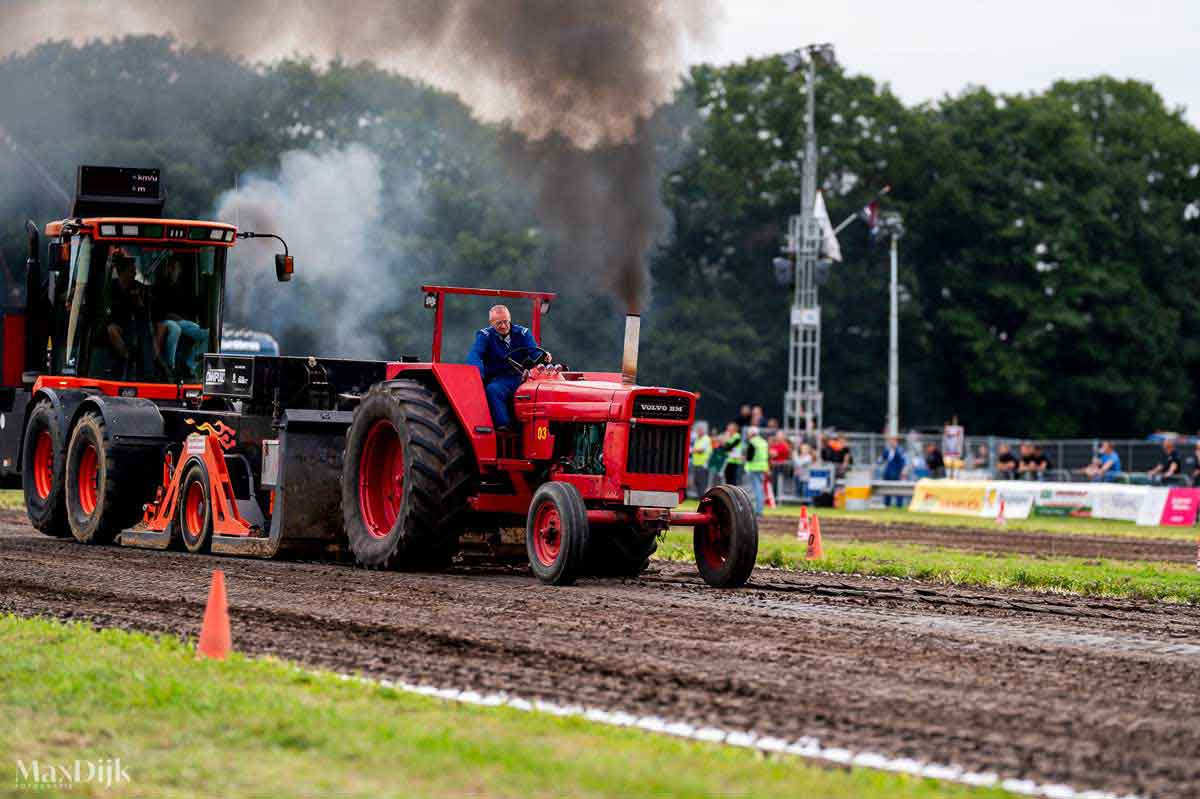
(1092, 693)
(997, 540)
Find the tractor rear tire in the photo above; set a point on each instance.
(556, 533)
(726, 551)
(42, 456)
(406, 477)
(100, 504)
(619, 551)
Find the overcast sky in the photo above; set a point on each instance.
(927, 48)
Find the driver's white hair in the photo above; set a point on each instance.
(496, 309)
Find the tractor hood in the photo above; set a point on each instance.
(600, 397)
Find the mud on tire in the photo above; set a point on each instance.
(42, 457)
(406, 477)
(103, 494)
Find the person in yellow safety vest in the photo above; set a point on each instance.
(701, 453)
(735, 458)
(757, 467)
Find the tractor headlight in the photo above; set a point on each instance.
(430, 300)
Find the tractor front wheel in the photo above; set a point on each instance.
(42, 471)
(556, 533)
(99, 507)
(727, 547)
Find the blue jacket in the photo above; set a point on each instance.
(893, 461)
(490, 353)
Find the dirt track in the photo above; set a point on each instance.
(1095, 694)
(998, 541)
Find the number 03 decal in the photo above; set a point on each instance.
(543, 432)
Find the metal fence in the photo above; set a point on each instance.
(1067, 455)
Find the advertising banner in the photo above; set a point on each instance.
(1018, 500)
(1063, 499)
(1181, 507)
(1152, 507)
(1123, 503)
(958, 497)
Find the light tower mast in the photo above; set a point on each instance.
(802, 401)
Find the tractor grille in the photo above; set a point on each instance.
(656, 449)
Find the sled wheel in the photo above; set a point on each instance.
(195, 509)
(726, 548)
(556, 533)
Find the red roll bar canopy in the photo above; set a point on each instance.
(540, 301)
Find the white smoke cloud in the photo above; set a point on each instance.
(328, 207)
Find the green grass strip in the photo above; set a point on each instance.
(184, 727)
(1133, 579)
(1035, 524)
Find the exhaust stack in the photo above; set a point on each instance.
(629, 356)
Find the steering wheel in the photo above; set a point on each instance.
(528, 361)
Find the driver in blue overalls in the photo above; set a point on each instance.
(497, 347)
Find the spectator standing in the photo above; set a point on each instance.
(756, 416)
(1105, 466)
(1169, 466)
(893, 462)
(1006, 462)
(743, 419)
(802, 461)
(735, 459)
(934, 461)
(781, 460)
(840, 456)
(1026, 467)
(758, 465)
(980, 461)
(701, 454)
(772, 428)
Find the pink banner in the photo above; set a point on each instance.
(1180, 509)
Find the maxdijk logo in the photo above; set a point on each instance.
(39, 775)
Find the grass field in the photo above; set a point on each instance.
(1034, 524)
(186, 727)
(1134, 579)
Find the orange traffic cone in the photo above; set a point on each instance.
(803, 527)
(816, 550)
(214, 633)
(1000, 520)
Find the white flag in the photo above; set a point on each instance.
(829, 243)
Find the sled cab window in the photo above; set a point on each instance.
(151, 312)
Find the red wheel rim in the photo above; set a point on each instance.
(88, 480)
(547, 534)
(193, 509)
(43, 464)
(716, 542)
(381, 479)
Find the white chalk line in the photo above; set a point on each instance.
(806, 747)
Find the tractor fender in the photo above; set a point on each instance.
(462, 387)
(128, 421)
(65, 403)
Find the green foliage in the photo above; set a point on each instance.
(1044, 273)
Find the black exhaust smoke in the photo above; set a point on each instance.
(575, 77)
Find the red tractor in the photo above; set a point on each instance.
(596, 471)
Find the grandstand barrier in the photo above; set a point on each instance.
(1146, 505)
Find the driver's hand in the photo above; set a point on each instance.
(547, 358)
